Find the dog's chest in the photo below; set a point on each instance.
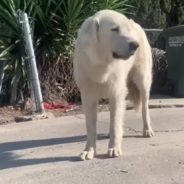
(106, 74)
(110, 84)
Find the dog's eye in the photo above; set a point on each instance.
(116, 29)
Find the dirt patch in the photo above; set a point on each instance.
(8, 114)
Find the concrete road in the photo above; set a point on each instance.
(45, 152)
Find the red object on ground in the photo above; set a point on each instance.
(69, 107)
(47, 106)
(65, 108)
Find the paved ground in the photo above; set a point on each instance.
(45, 152)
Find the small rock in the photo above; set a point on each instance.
(45, 115)
(19, 119)
(153, 144)
(124, 171)
(29, 105)
(5, 121)
(10, 107)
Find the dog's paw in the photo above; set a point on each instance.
(87, 155)
(114, 152)
(148, 132)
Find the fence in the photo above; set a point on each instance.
(30, 57)
(154, 37)
(30, 60)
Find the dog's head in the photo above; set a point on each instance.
(111, 31)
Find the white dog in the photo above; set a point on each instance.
(112, 58)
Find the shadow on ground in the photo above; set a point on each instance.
(8, 159)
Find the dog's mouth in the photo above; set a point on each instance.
(118, 56)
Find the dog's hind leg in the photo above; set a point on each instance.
(143, 83)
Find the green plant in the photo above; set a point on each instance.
(56, 23)
(11, 46)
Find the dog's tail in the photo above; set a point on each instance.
(134, 96)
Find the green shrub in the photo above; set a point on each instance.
(56, 23)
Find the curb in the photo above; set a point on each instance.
(130, 107)
(22, 119)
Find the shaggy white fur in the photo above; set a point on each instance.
(112, 59)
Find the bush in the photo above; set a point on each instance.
(56, 23)
(160, 84)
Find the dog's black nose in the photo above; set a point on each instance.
(133, 46)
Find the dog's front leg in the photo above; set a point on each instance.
(117, 110)
(90, 103)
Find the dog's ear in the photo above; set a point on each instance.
(132, 22)
(89, 31)
(96, 26)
